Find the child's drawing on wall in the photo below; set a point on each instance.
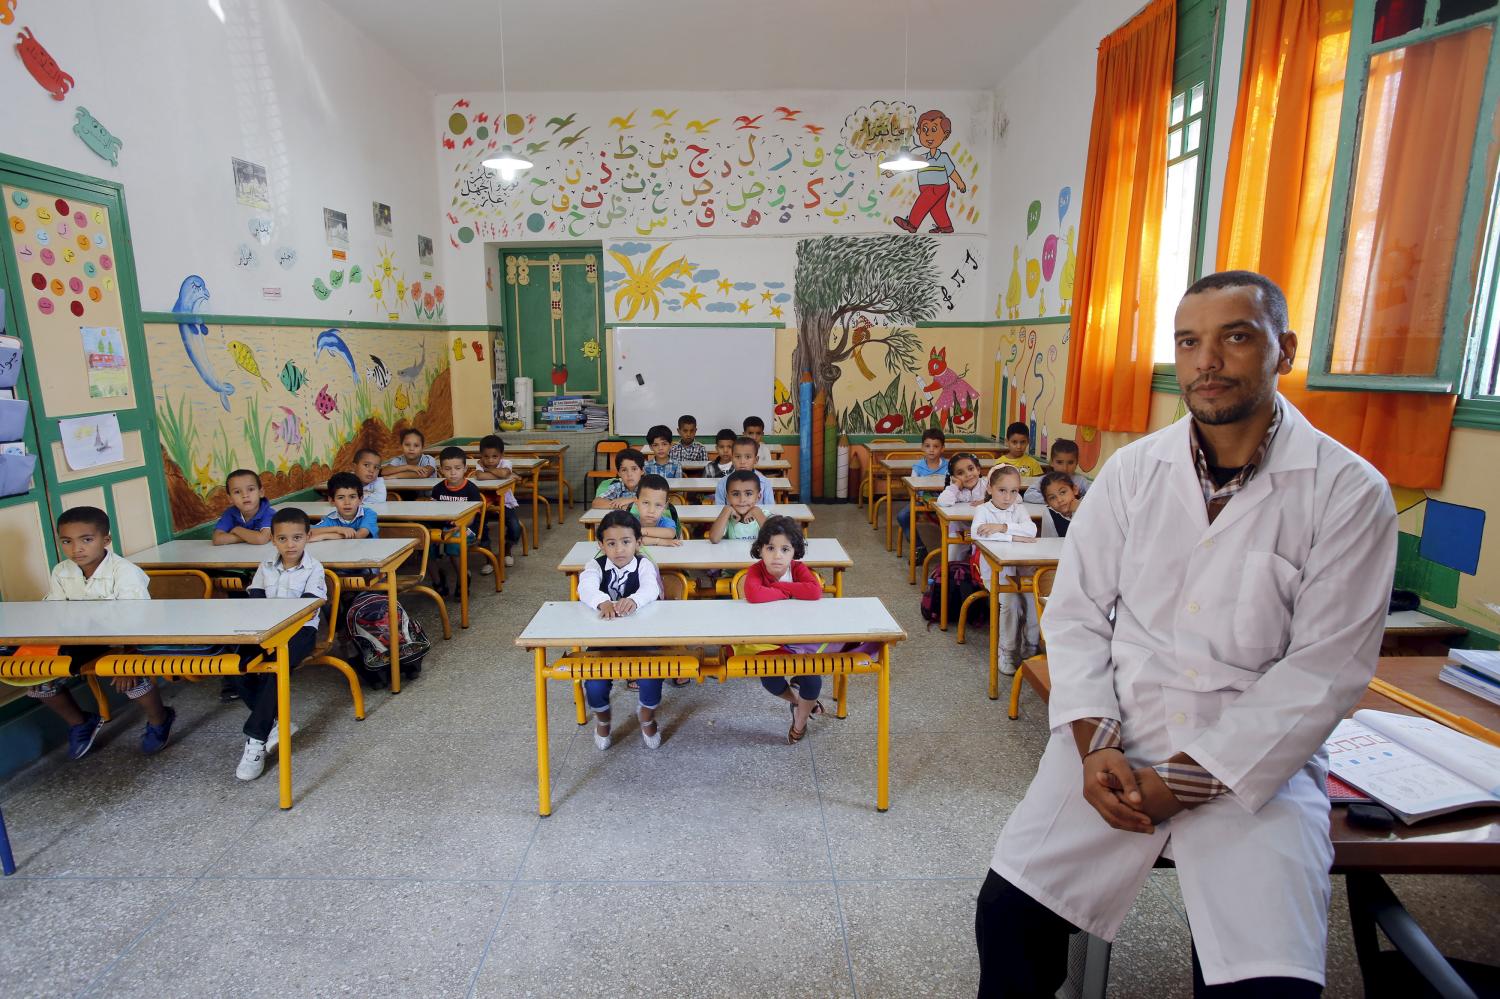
(933, 180)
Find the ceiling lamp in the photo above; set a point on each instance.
(903, 160)
(508, 164)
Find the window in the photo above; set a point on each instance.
(1409, 267)
(1179, 260)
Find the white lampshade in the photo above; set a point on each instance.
(903, 162)
(508, 164)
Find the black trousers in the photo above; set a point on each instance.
(1023, 952)
(258, 690)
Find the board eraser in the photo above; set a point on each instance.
(639, 380)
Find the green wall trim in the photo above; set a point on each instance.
(727, 326)
(1164, 379)
(173, 318)
(1477, 414)
(937, 324)
(1474, 629)
(1038, 321)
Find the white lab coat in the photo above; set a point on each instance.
(1241, 642)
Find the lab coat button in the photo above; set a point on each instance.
(1208, 542)
(1191, 674)
(1192, 607)
(1179, 718)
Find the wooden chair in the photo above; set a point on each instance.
(886, 497)
(606, 449)
(180, 584)
(736, 585)
(412, 573)
(1041, 589)
(867, 481)
(322, 651)
(564, 491)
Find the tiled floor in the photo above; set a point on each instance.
(727, 863)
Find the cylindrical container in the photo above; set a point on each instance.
(842, 484)
(524, 403)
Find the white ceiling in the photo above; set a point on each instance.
(705, 45)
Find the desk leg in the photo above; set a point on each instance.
(890, 518)
(543, 765)
(838, 582)
(499, 546)
(994, 599)
(883, 732)
(943, 540)
(463, 576)
(870, 481)
(536, 509)
(284, 721)
(911, 547)
(393, 610)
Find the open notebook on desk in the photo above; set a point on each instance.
(1416, 767)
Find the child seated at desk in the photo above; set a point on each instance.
(367, 470)
(411, 463)
(292, 572)
(661, 462)
(1062, 500)
(722, 463)
(965, 485)
(349, 518)
(617, 583)
(658, 521)
(742, 516)
(1003, 517)
(91, 571)
(932, 462)
(755, 429)
(455, 488)
(688, 448)
(493, 466)
(744, 461)
(619, 493)
(1017, 441)
(248, 519)
(1064, 459)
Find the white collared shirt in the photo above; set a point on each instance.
(593, 588)
(303, 579)
(374, 492)
(115, 578)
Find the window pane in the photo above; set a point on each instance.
(1195, 105)
(1396, 17)
(1193, 130)
(1175, 116)
(1452, 10)
(1405, 205)
(1174, 258)
(1174, 143)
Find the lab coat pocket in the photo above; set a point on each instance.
(1263, 608)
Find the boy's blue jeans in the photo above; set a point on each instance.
(596, 694)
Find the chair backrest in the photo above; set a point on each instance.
(675, 585)
(1041, 589)
(416, 562)
(180, 584)
(897, 455)
(889, 440)
(331, 608)
(607, 449)
(737, 584)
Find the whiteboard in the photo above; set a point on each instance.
(718, 374)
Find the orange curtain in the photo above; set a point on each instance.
(1114, 298)
(1275, 215)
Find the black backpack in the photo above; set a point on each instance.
(963, 581)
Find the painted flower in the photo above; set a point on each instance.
(438, 293)
(922, 413)
(416, 291)
(783, 408)
(889, 424)
(428, 302)
(965, 416)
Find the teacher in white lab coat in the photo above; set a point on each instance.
(1218, 608)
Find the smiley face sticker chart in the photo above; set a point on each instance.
(63, 254)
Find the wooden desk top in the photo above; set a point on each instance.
(511, 447)
(1042, 551)
(157, 622)
(936, 483)
(707, 513)
(417, 510)
(427, 485)
(964, 512)
(951, 448)
(1414, 622)
(340, 553)
(704, 485)
(565, 623)
(774, 465)
(822, 553)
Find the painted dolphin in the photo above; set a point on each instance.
(190, 297)
(330, 341)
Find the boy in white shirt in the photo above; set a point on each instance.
(1003, 518)
(744, 461)
(90, 571)
(755, 429)
(292, 573)
(367, 469)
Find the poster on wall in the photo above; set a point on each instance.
(251, 187)
(424, 251)
(104, 358)
(336, 229)
(382, 215)
(91, 441)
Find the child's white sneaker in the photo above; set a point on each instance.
(1028, 651)
(1007, 666)
(601, 742)
(253, 761)
(486, 569)
(510, 560)
(653, 740)
(274, 739)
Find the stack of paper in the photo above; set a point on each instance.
(1475, 671)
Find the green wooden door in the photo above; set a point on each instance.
(71, 297)
(554, 321)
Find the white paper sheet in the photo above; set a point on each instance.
(91, 441)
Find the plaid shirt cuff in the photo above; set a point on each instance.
(1189, 783)
(1106, 734)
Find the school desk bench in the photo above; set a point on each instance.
(528, 469)
(961, 514)
(553, 456)
(701, 554)
(703, 515)
(701, 487)
(924, 485)
(778, 465)
(884, 448)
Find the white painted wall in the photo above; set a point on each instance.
(285, 83)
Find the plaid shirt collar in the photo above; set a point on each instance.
(1215, 496)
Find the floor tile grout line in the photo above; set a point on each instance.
(838, 902)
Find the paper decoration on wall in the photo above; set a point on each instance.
(91, 441)
(251, 188)
(1064, 199)
(261, 229)
(96, 136)
(104, 357)
(246, 257)
(427, 304)
(424, 251)
(1033, 216)
(7, 11)
(1451, 535)
(42, 67)
(1049, 257)
(191, 298)
(321, 290)
(382, 216)
(286, 256)
(336, 228)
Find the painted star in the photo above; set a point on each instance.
(745, 305)
(724, 285)
(765, 296)
(775, 312)
(693, 296)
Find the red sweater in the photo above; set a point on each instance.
(760, 588)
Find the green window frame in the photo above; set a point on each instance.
(1465, 317)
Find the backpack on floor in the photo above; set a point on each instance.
(369, 628)
(963, 580)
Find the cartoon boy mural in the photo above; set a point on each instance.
(933, 129)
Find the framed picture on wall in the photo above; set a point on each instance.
(336, 229)
(250, 185)
(382, 215)
(424, 251)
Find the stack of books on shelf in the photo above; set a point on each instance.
(595, 416)
(563, 413)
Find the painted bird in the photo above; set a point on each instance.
(536, 147)
(568, 141)
(701, 126)
(787, 114)
(814, 129)
(664, 116)
(558, 124)
(624, 123)
(744, 121)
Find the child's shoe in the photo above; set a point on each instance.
(486, 569)
(155, 738)
(274, 739)
(252, 761)
(510, 560)
(1027, 651)
(1008, 665)
(81, 736)
(653, 740)
(601, 742)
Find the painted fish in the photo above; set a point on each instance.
(410, 373)
(478, 350)
(379, 373)
(330, 341)
(402, 400)
(325, 403)
(458, 348)
(289, 429)
(190, 298)
(245, 358)
(293, 377)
